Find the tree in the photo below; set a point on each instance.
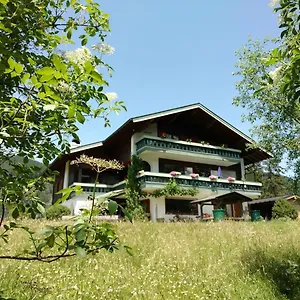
(269, 87)
(274, 184)
(283, 209)
(133, 189)
(45, 93)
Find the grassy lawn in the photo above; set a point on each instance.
(171, 261)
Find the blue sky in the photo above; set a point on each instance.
(174, 53)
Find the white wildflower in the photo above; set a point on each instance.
(79, 56)
(273, 3)
(64, 87)
(111, 96)
(104, 48)
(82, 7)
(275, 73)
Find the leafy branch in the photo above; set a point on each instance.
(173, 189)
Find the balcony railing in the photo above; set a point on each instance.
(156, 143)
(100, 188)
(148, 178)
(151, 178)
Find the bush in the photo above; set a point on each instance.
(283, 209)
(57, 211)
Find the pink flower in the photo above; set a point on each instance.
(230, 178)
(213, 177)
(193, 175)
(175, 173)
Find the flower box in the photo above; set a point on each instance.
(194, 175)
(213, 177)
(231, 179)
(175, 173)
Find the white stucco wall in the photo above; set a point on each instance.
(79, 201)
(157, 208)
(150, 130)
(153, 161)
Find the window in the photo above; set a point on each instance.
(188, 170)
(180, 207)
(146, 166)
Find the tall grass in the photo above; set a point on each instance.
(171, 261)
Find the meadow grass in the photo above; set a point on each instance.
(229, 260)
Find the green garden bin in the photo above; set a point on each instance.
(219, 214)
(255, 215)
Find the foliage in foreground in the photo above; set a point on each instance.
(283, 209)
(269, 87)
(55, 212)
(45, 93)
(83, 236)
(229, 260)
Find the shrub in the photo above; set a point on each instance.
(57, 211)
(283, 209)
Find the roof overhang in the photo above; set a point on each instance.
(192, 107)
(135, 124)
(224, 197)
(273, 199)
(86, 147)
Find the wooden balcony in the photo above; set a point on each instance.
(155, 144)
(149, 179)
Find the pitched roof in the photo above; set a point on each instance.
(190, 107)
(130, 125)
(231, 195)
(273, 199)
(164, 113)
(85, 147)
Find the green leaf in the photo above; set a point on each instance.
(80, 235)
(18, 68)
(127, 214)
(71, 112)
(31, 61)
(88, 66)
(80, 117)
(46, 77)
(15, 213)
(101, 200)
(80, 252)
(41, 208)
(59, 65)
(46, 71)
(112, 207)
(21, 207)
(97, 77)
(84, 41)
(63, 191)
(11, 63)
(51, 240)
(47, 230)
(283, 33)
(69, 33)
(41, 245)
(25, 77)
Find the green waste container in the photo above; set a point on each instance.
(255, 215)
(219, 214)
